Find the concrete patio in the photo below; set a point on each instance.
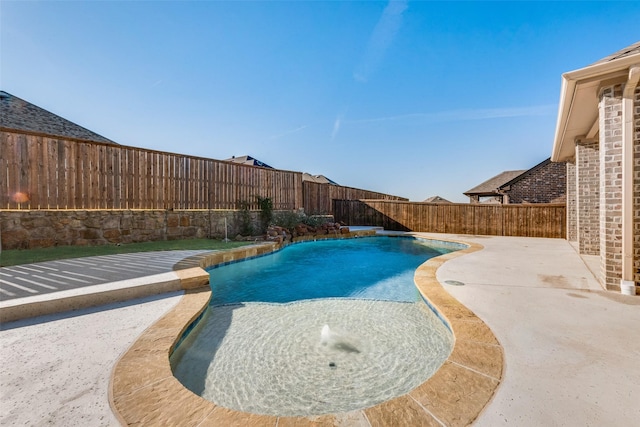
(570, 353)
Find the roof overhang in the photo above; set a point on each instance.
(578, 108)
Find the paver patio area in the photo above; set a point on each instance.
(570, 353)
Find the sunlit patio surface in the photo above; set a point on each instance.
(538, 342)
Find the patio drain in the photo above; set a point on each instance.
(453, 283)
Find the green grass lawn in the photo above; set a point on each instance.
(27, 256)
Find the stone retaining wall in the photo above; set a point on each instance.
(46, 228)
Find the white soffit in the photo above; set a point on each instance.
(584, 111)
(578, 108)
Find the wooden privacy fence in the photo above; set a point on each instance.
(534, 220)
(40, 172)
(318, 198)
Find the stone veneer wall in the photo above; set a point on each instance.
(572, 219)
(21, 229)
(588, 197)
(545, 184)
(611, 185)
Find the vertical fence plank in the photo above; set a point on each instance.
(128, 173)
(33, 168)
(62, 182)
(82, 176)
(154, 159)
(108, 183)
(166, 183)
(117, 179)
(11, 158)
(23, 177)
(43, 173)
(5, 189)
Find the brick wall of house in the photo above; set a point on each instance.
(636, 187)
(588, 197)
(546, 184)
(610, 107)
(572, 219)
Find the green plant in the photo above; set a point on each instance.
(246, 225)
(315, 220)
(266, 212)
(288, 219)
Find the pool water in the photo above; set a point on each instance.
(320, 327)
(371, 268)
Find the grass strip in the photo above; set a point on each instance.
(28, 256)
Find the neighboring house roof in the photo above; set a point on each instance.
(524, 174)
(578, 112)
(248, 160)
(321, 179)
(490, 186)
(19, 115)
(436, 199)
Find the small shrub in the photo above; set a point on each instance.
(266, 212)
(287, 219)
(246, 224)
(315, 220)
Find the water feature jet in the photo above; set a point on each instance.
(337, 341)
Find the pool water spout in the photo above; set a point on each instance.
(337, 341)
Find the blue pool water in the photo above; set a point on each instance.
(366, 268)
(316, 328)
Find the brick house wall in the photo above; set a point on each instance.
(588, 197)
(636, 186)
(544, 184)
(607, 183)
(572, 217)
(610, 113)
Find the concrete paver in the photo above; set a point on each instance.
(21, 281)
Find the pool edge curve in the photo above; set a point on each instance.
(143, 390)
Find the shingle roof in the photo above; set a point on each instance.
(634, 49)
(321, 179)
(20, 115)
(490, 186)
(248, 160)
(436, 199)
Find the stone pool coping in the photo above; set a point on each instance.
(143, 390)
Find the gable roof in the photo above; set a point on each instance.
(578, 106)
(321, 179)
(248, 160)
(526, 173)
(490, 186)
(19, 115)
(436, 199)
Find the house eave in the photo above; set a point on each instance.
(578, 106)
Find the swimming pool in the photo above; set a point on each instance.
(300, 332)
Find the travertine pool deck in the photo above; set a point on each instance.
(145, 392)
(568, 356)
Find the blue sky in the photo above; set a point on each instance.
(412, 98)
